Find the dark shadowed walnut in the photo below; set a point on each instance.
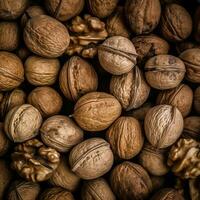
(158, 182)
(23, 53)
(197, 24)
(194, 185)
(182, 46)
(4, 141)
(197, 100)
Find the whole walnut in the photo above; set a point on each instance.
(4, 141)
(117, 55)
(143, 16)
(41, 71)
(130, 89)
(163, 125)
(9, 36)
(192, 63)
(22, 123)
(65, 9)
(91, 158)
(46, 100)
(197, 24)
(10, 10)
(101, 8)
(61, 133)
(77, 77)
(46, 37)
(96, 111)
(125, 137)
(97, 189)
(197, 100)
(164, 71)
(11, 71)
(180, 97)
(176, 23)
(130, 181)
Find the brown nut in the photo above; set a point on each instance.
(41, 71)
(97, 189)
(197, 24)
(182, 46)
(46, 100)
(163, 125)
(22, 123)
(60, 133)
(46, 37)
(91, 159)
(23, 53)
(130, 181)
(4, 141)
(125, 137)
(11, 71)
(117, 55)
(180, 97)
(197, 100)
(96, 111)
(130, 89)
(143, 16)
(77, 77)
(164, 71)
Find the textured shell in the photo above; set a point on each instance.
(164, 71)
(4, 141)
(77, 78)
(143, 16)
(130, 181)
(163, 125)
(22, 123)
(130, 89)
(45, 36)
(61, 133)
(197, 100)
(96, 111)
(117, 55)
(125, 137)
(91, 158)
(191, 58)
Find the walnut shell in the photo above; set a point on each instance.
(197, 100)
(46, 37)
(96, 111)
(117, 55)
(11, 71)
(4, 141)
(130, 89)
(182, 46)
(163, 125)
(91, 159)
(125, 137)
(46, 100)
(130, 181)
(61, 133)
(22, 123)
(143, 16)
(41, 71)
(77, 77)
(164, 71)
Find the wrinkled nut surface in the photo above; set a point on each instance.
(4, 141)
(117, 55)
(91, 159)
(184, 158)
(125, 137)
(163, 125)
(22, 123)
(60, 133)
(130, 181)
(130, 89)
(96, 111)
(46, 37)
(77, 77)
(34, 161)
(197, 100)
(164, 71)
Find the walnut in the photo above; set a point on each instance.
(184, 158)
(85, 33)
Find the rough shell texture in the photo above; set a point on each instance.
(143, 16)
(22, 123)
(125, 137)
(130, 89)
(197, 100)
(117, 55)
(77, 78)
(4, 141)
(91, 158)
(163, 125)
(130, 181)
(164, 71)
(96, 111)
(46, 37)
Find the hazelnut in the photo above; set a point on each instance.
(4, 141)
(197, 100)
